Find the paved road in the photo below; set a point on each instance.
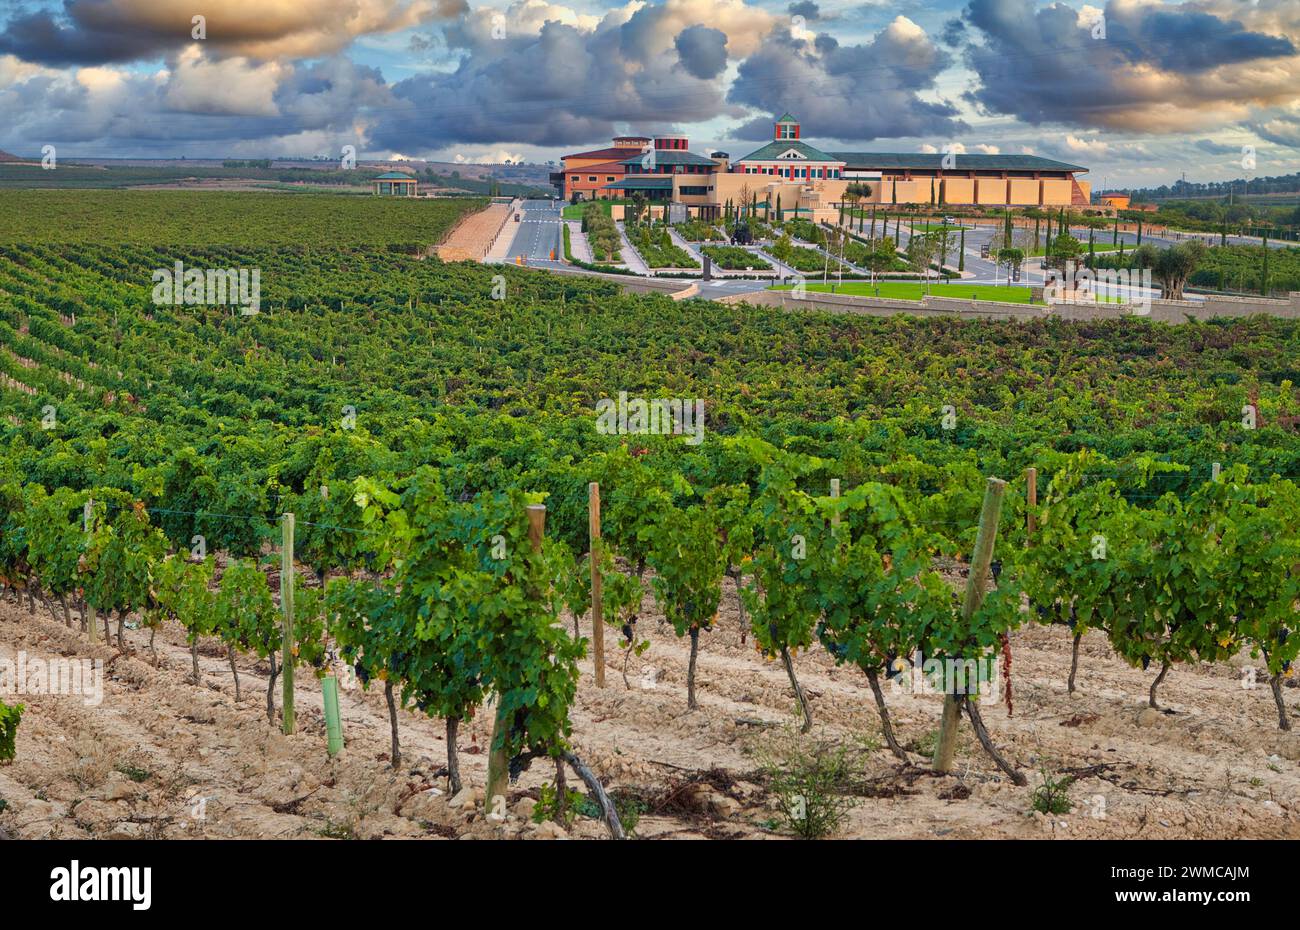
(632, 259)
(725, 287)
(538, 233)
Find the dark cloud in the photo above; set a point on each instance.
(561, 87)
(97, 32)
(328, 94)
(810, 11)
(81, 39)
(314, 109)
(1045, 65)
(954, 33)
(850, 92)
(1216, 148)
(703, 51)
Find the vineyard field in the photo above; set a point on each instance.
(224, 219)
(1104, 516)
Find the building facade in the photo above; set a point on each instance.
(812, 182)
(395, 184)
(585, 174)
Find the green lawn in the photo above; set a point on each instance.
(915, 290)
(574, 210)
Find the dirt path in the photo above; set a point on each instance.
(142, 762)
(473, 235)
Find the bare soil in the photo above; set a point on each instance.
(164, 757)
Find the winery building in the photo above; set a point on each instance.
(812, 180)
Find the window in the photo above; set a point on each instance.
(785, 131)
(694, 191)
(591, 177)
(574, 179)
(609, 178)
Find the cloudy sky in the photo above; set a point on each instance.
(1139, 91)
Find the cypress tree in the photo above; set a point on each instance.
(1263, 276)
(961, 251)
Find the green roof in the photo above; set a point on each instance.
(774, 150)
(787, 118)
(664, 183)
(393, 176)
(964, 162)
(670, 157)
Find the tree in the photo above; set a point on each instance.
(882, 256)
(851, 196)
(1173, 266)
(921, 252)
(961, 251)
(1263, 272)
(1012, 258)
(1063, 248)
(783, 248)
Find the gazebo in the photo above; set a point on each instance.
(396, 184)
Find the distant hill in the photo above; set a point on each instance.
(6, 157)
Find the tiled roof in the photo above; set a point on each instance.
(963, 162)
(612, 153)
(603, 166)
(393, 176)
(774, 150)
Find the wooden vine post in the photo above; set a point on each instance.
(835, 492)
(498, 757)
(597, 582)
(286, 606)
(91, 612)
(1031, 496)
(979, 569)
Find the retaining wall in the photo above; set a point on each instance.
(1164, 311)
